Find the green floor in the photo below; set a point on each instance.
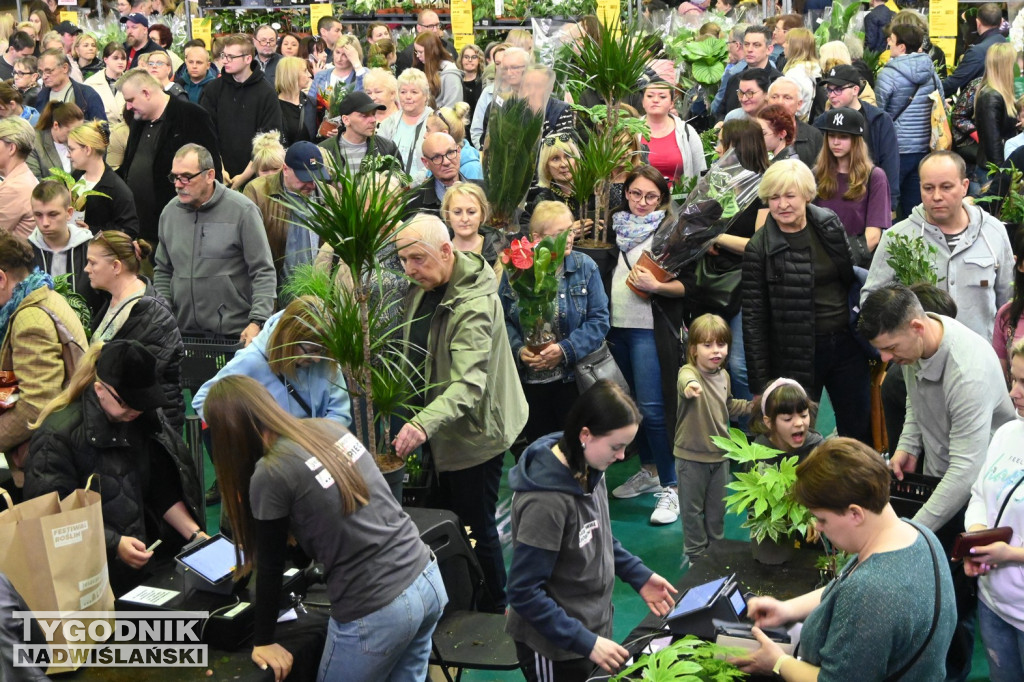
(660, 547)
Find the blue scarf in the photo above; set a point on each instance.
(36, 280)
(632, 230)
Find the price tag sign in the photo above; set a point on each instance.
(317, 11)
(942, 24)
(202, 29)
(462, 23)
(69, 16)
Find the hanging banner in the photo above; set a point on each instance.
(942, 26)
(317, 11)
(202, 29)
(462, 23)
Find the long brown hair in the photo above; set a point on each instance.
(244, 421)
(299, 324)
(434, 53)
(826, 170)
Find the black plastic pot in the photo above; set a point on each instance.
(772, 553)
(606, 258)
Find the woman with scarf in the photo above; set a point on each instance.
(635, 323)
(30, 318)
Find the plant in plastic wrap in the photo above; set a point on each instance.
(724, 192)
(532, 269)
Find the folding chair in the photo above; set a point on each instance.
(465, 638)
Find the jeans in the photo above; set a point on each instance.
(841, 366)
(910, 182)
(472, 494)
(1004, 646)
(393, 642)
(637, 357)
(738, 365)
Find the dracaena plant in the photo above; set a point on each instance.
(513, 132)
(763, 491)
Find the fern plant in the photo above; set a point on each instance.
(511, 158)
(912, 260)
(689, 659)
(762, 492)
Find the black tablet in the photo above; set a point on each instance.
(697, 598)
(213, 559)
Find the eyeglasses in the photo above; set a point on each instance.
(265, 41)
(748, 94)
(509, 67)
(49, 72)
(437, 159)
(470, 55)
(767, 132)
(113, 394)
(232, 57)
(430, 27)
(830, 90)
(153, 63)
(550, 140)
(641, 198)
(184, 178)
(23, 73)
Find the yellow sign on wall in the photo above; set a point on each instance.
(609, 11)
(317, 11)
(462, 23)
(69, 16)
(942, 26)
(202, 29)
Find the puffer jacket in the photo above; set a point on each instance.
(79, 440)
(778, 298)
(151, 322)
(994, 126)
(901, 90)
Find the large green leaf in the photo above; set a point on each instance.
(708, 74)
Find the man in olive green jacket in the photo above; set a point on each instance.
(473, 407)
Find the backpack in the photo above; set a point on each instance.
(963, 115)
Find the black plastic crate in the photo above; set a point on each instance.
(204, 357)
(909, 495)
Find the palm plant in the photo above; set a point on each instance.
(356, 215)
(513, 133)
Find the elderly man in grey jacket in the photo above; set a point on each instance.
(972, 254)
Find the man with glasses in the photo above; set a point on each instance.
(441, 156)
(428, 20)
(733, 66)
(58, 87)
(161, 125)
(786, 93)
(137, 41)
(213, 263)
(757, 48)
(266, 51)
(26, 78)
(843, 85)
(358, 138)
(19, 45)
(241, 103)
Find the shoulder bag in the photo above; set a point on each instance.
(596, 366)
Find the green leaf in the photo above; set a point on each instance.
(708, 74)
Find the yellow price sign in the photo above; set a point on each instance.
(609, 11)
(202, 29)
(462, 23)
(942, 19)
(69, 16)
(317, 11)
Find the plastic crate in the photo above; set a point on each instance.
(910, 494)
(204, 357)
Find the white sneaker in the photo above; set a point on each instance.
(667, 510)
(639, 483)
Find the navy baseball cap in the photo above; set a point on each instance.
(307, 162)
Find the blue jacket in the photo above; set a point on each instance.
(470, 166)
(902, 88)
(322, 80)
(882, 144)
(972, 64)
(583, 316)
(194, 90)
(320, 384)
(87, 99)
(874, 28)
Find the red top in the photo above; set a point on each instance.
(665, 156)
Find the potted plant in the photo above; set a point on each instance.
(510, 159)
(836, 26)
(78, 189)
(762, 492)
(532, 269)
(705, 61)
(912, 260)
(689, 659)
(330, 105)
(1009, 201)
(357, 219)
(830, 563)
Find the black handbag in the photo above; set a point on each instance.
(596, 366)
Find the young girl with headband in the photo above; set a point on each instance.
(784, 419)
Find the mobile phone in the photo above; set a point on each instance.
(979, 538)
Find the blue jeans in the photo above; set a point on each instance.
(738, 365)
(910, 182)
(636, 356)
(1004, 646)
(393, 642)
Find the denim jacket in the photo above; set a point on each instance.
(583, 317)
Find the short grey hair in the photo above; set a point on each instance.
(803, 86)
(201, 152)
(20, 133)
(427, 229)
(416, 78)
(737, 31)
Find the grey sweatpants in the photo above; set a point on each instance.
(701, 505)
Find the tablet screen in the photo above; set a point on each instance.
(214, 560)
(697, 597)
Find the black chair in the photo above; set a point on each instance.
(465, 638)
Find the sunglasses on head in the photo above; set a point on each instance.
(550, 140)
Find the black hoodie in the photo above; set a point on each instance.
(564, 558)
(240, 111)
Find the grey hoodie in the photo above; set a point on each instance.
(213, 264)
(70, 259)
(977, 274)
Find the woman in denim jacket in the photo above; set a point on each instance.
(548, 377)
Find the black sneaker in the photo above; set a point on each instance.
(213, 495)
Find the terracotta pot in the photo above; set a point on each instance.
(327, 128)
(660, 273)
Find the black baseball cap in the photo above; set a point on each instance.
(66, 27)
(843, 74)
(843, 120)
(130, 369)
(358, 101)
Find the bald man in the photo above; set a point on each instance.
(442, 157)
(473, 407)
(427, 21)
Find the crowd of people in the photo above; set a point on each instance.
(167, 189)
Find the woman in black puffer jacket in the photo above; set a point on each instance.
(107, 422)
(136, 311)
(797, 276)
